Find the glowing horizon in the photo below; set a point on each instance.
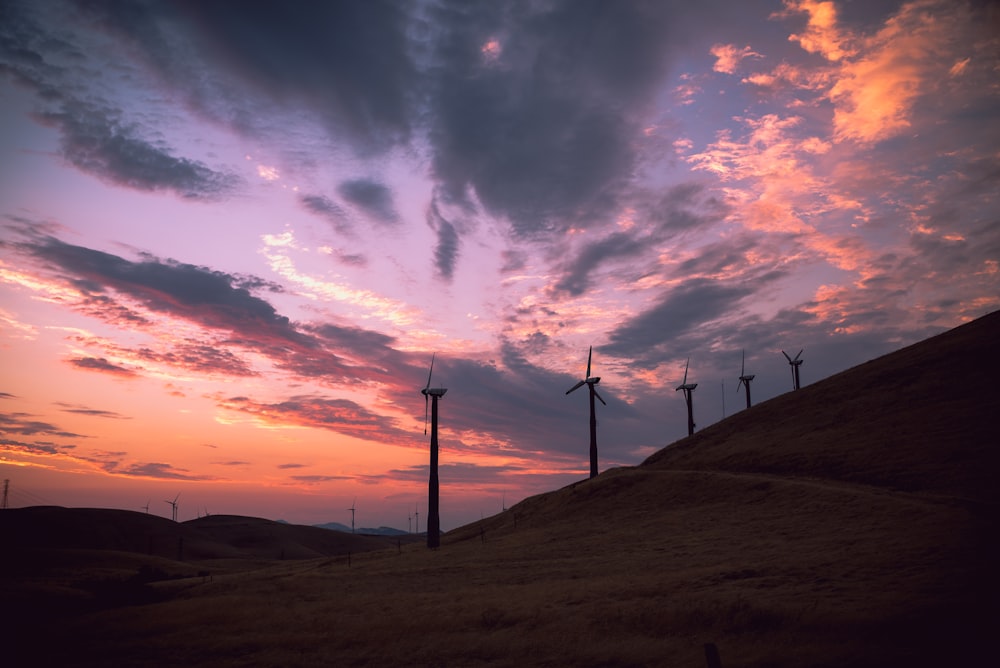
(225, 262)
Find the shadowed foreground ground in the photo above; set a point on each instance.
(812, 530)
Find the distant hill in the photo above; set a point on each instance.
(365, 531)
(209, 537)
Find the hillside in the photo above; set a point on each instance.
(850, 523)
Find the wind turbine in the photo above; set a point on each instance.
(688, 389)
(745, 378)
(353, 503)
(796, 363)
(146, 507)
(173, 506)
(433, 518)
(590, 382)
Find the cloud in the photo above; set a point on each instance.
(680, 310)
(93, 412)
(563, 86)
(155, 470)
(728, 57)
(209, 298)
(103, 365)
(580, 272)
(340, 415)
(372, 197)
(23, 424)
(98, 142)
(446, 250)
(327, 208)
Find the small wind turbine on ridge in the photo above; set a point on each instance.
(433, 518)
(745, 378)
(146, 507)
(688, 389)
(173, 506)
(591, 382)
(796, 363)
(353, 503)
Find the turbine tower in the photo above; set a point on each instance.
(353, 503)
(173, 507)
(688, 389)
(796, 363)
(745, 378)
(433, 518)
(590, 382)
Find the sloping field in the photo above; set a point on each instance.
(851, 523)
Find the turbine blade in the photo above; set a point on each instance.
(577, 386)
(686, 365)
(589, 355)
(426, 398)
(431, 372)
(800, 354)
(599, 396)
(738, 386)
(786, 356)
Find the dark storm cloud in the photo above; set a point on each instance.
(346, 60)
(208, 297)
(370, 196)
(579, 273)
(94, 137)
(99, 142)
(102, 365)
(687, 307)
(544, 129)
(446, 249)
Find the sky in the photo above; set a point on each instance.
(233, 234)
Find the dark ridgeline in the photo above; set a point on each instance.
(796, 363)
(745, 378)
(688, 389)
(433, 517)
(590, 382)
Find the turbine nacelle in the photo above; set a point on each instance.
(685, 385)
(434, 391)
(793, 360)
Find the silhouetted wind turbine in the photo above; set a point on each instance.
(146, 507)
(433, 518)
(688, 389)
(353, 503)
(796, 363)
(745, 378)
(590, 382)
(173, 506)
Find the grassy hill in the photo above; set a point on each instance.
(851, 523)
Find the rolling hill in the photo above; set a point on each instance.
(850, 523)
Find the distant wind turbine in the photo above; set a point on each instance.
(745, 378)
(146, 507)
(796, 363)
(688, 389)
(353, 503)
(590, 382)
(433, 518)
(173, 506)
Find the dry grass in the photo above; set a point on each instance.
(823, 540)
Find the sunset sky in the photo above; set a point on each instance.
(232, 234)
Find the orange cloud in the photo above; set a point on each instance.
(822, 35)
